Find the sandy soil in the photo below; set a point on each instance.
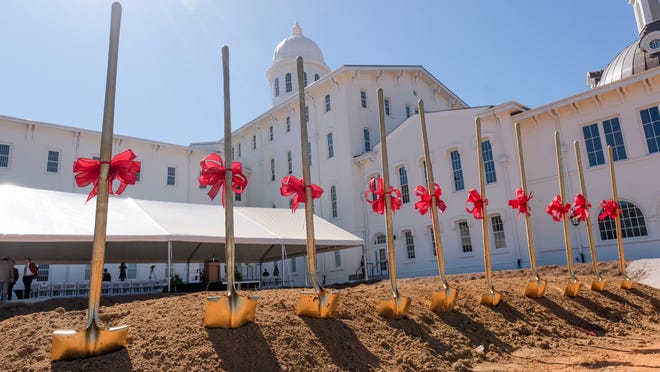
(612, 330)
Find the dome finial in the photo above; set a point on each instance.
(297, 30)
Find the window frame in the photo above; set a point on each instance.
(330, 145)
(497, 229)
(593, 145)
(489, 161)
(409, 241)
(649, 128)
(464, 236)
(6, 156)
(364, 99)
(56, 162)
(276, 84)
(333, 201)
(457, 170)
(288, 85)
(171, 176)
(366, 139)
(404, 184)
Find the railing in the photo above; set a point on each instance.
(107, 288)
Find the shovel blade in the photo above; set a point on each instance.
(572, 289)
(321, 305)
(627, 283)
(93, 341)
(536, 288)
(229, 311)
(598, 285)
(395, 308)
(491, 298)
(444, 300)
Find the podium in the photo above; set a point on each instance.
(211, 271)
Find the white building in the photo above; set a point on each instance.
(621, 108)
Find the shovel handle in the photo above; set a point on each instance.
(528, 220)
(484, 220)
(583, 191)
(101, 217)
(562, 193)
(617, 221)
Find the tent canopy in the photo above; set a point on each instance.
(58, 227)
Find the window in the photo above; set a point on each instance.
(498, 231)
(410, 244)
(239, 150)
(632, 223)
(306, 114)
(232, 153)
(387, 106)
(464, 235)
(289, 163)
(331, 149)
(408, 111)
(614, 138)
(87, 272)
(333, 201)
(293, 266)
(288, 124)
(316, 77)
(272, 169)
(457, 170)
(4, 155)
(489, 163)
(416, 110)
(138, 175)
(430, 230)
(43, 272)
(375, 179)
(238, 197)
(327, 103)
(171, 176)
(287, 82)
(380, 239)
(304, 78)
(366, 135)
(337, 258)
(270, 133)
(52, 166)
(382, 253)
(131, 271)
(277, 86)
(594, 147)
(650, 122)
(363, 98)
(403, 181)
(426, 176)
(254, 142)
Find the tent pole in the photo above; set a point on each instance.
(366, 262)
(169, 266)
(283, 271)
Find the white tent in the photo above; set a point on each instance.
(58, 227)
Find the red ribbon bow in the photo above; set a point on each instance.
(296, 187)
(556, 209)
(478, 204)
(581, 208)
(521, 202)
(377, 188)
(611, 209)
(122, 168)
(213, 174)
(425, 198)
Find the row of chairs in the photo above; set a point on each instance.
(107, 288)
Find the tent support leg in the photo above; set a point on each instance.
(169, 267)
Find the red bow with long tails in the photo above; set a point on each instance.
(213, 174)
(296, 187)
(122, 168)
(521, 202)
(425, 198)
(611, 209)
(478, 204)
(581, 208)
(556, 209)
(377, 188)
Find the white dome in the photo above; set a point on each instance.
(297, 45)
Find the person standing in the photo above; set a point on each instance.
(122, 271)
(11, 284)
(6, 277)
(30, 272)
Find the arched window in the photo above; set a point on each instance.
(333, 200)
(316, 77)
(277, 86)
(287, 82)
(380, 239)
(632, 223)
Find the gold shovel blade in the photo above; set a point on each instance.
(229, 311)
(444, 300)
(598, 285)
(572, 289)
(536, 288)
(627, 283)
(395, 308)
(321, 305)
(93, 341)
(491, 298)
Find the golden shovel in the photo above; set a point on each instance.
(573, 286)
(397, 307)
(493, 297)
(627, 283)
(319, 303)
(535, 287)
(231, 310)
(94, 340)
(599, 283)
(443, 299)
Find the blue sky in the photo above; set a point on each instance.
(53, 54)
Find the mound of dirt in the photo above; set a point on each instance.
(615, 329)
